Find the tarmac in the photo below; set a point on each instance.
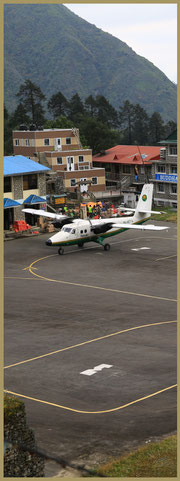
(90, 344)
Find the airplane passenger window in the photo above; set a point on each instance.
(85, 230)
(73, 231)
(81, 231)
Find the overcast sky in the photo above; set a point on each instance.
(149, 29)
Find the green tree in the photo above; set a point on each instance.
(90, 106)
(19, 117)
(126, 120)
(170, 127)
(76, 107)
(106, 113)
(60, 123)
(156, 128)
(96, 135)
(31, 97)
(58, 105)
(8, 144)
(140, 130)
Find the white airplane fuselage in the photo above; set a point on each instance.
(80, 231)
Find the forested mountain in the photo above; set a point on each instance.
(59, 51)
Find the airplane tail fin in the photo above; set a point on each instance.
(144, 205)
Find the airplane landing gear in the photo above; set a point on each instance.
(106, 247)
(61, 251)
(80, 245)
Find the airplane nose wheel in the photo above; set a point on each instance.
(61, 251)
(106, 247)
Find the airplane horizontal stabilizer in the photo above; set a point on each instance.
(141, 227)
(143, 211)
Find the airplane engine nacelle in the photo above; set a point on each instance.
(100, 229)
(59, 223)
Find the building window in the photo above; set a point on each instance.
(59, 160)
(7, 184)
(81, 158)
(30, 182)
(73, 182)
(16, 142)
(161, 168)
(174, 189)
(173, 150)
(94, 180)
(161, 188)
(27, 143)
(68, 140)
(126, 169)
(46, 141)
(173, 169)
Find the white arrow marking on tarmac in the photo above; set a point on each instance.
(141, 248)
(90, 372)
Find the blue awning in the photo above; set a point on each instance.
(8, 203)
(34, 199)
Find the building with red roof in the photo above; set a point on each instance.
(127, 168)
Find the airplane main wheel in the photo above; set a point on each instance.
(106, 247)
(61, 251)
(81, 244)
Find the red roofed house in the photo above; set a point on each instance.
(127, 168)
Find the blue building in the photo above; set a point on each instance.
(25, 183)
(164, 173)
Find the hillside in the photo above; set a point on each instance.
(59, 51)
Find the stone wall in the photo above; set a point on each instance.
(42, 184)
(19, 458)
(17, 186)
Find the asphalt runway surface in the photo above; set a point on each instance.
(90, 341)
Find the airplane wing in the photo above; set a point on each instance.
(44, 213)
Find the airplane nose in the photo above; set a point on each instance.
(49, 242)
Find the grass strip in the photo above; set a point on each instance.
(157, 459)
(169, 215)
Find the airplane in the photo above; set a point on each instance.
(80, 231)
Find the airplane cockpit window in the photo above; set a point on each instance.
(67, 229)
(73, 231)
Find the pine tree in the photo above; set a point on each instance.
(30, 96)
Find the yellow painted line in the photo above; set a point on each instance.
(95, 287)
(163, 258)
(22, 278)
(93, 412)
(90, 341)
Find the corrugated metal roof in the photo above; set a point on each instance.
(19, 164)
(128, 154)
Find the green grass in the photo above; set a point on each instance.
(169, 215)
(152, 460)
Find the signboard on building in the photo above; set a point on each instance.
(166, 177)
(60, 200)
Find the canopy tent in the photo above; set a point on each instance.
(92, 204)
(8, 203)
(34, 199)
